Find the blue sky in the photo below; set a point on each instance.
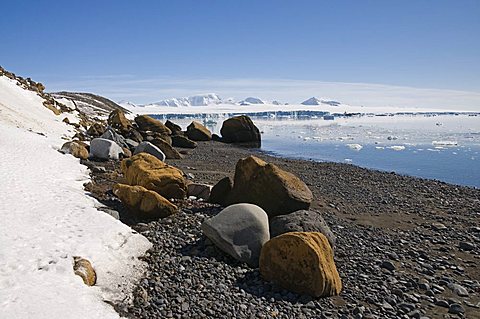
(124, 49)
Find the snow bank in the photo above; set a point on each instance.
(47, 219)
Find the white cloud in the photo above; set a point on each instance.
(127, 87)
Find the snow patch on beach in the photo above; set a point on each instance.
(47, 219)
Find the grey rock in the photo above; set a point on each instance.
(387, 265)
(466, 246)
(239, 230)
(110, 134)
(442, 303)
(147, 147)
(199, 190)
(131, 143)
(301, 221)
(459, 290)
(102, 148)
(456, 309)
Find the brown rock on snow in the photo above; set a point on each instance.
(301, 262)
(143, 202)
(76, 148)
(275, 190)
(146, 170)
(83, 268)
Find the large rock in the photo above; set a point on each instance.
(275, 190)
(148, 171)
(182, 141)
(240, 129)
(301, 221)
(118, 121)
(220, 192)
(83, 268)
(301, 262)
(147, 147)
(96, 130)
(146, 123)
(102, 148)
(110, 134)
(143, 202)
(198, 132)
(176, 129)
(76, 148)
(239, 230)
(166, 148)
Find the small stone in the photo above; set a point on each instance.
(459, 290)
(185, 306)
(442, 303)
(464, 245)
(438, 226)
(388, 265)
(456, 309)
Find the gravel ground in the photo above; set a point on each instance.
(406, 247)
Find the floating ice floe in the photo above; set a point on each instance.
(348, 160)
(444, 143)
(397, 147)
(355, 147)
(379, 147)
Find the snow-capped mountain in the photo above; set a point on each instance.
(316, 101)
(128, 104)
(195, 100)
(252, 100)
(312, 101)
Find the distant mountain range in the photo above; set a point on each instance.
(214, 99)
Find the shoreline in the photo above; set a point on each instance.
(376, 217)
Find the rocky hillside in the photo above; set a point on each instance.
(88, 103)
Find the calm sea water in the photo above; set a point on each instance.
(445, 147)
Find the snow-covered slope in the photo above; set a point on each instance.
(46, 220)
(195, 100)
